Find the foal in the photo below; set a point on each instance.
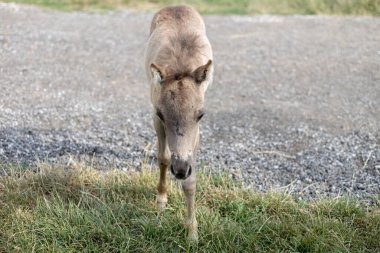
(178, 64)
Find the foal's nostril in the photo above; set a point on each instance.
(181, 169)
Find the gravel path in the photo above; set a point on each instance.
(295, 104)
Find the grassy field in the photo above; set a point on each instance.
(77, 209)
(287, 7)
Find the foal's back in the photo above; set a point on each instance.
(182, 17)
(178, 41)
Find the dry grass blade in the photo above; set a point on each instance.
(79, 209)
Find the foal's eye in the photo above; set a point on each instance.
(200, 116)
(159, 114)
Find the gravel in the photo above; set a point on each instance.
(295, 103)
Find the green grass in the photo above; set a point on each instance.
(287, 7)
(76, 209)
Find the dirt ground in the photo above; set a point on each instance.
(295, 103)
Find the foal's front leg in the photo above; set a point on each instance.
(163, 159)
(189, 186)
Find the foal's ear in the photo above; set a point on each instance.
(157, 73)
(202, 73)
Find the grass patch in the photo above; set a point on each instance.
(286, 7)
(77, 209)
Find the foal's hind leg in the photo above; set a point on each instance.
(163, 159)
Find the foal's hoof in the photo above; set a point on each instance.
(193, 230)
(193, 236)
(161, 201)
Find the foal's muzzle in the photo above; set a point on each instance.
(181, 169)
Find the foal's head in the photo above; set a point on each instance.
(179, 107)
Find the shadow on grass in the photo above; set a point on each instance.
(81, 209)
